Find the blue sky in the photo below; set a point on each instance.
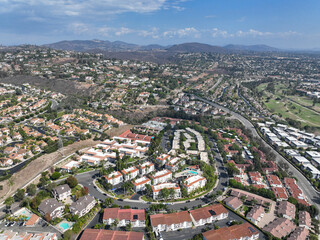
(278, 23)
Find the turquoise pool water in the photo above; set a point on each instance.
(193, 172)
(64, 226)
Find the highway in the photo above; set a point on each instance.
(312, 195)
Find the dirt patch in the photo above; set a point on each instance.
(37, 166)
(66, 87)
(117, 131)
(196, 78)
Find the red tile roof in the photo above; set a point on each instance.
(101, 234)
(126, 214)
(233, 232)
(207, 212)
(171, 218)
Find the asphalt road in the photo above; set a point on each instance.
(86, 179)
(312, 195)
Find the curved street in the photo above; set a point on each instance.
(312, 195)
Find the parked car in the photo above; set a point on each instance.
(229, 223)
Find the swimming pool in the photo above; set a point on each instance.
(193, 172)
(65, 226)
(23, 212)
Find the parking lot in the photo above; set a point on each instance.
(41, 226)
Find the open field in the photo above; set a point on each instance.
(305, 101)
(294, 111)
(295, 107)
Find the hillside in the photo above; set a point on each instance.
(253, 48)
(196, 47)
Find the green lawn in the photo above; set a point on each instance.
(296, 112)
(289, 109)
(304, 100)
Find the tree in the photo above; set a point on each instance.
(129, 227)
(148, 189)
(115, 223)
(32, 189)
(127, 186)
(184, 192)
(171, 193)
(164, 193)
(232, 169)
(85, 191)
(55, 176)
(67, 235)
(19, 196)
(47, 217)
(108, 202)
(72, 181)
(8, 202)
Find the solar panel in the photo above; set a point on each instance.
(252, 229)
(135, 216)
(212, 212)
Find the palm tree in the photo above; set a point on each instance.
(108, 202)
(115, 223)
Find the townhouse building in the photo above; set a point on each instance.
(170, 222)
(163, 159)
(161, 176)
(174, 163)
(209, 214)
(156, 189)
(194, 182)
(98, 234)
(130, 173)
(62, 192)
(280, 227)
(256, 214)
(114, 178)
(83, 205)
(146, 168)
(52, 207)
(136, 217)
(244, 231)
(140, 183)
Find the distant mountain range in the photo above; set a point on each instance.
(119, 46)
(254, 48)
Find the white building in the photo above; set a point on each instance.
(315, 171)
(140, 183)
(161, 176)
(209, 214)
(300, 160)
(163, 159)
(170, 222)
(83, 205)
(146, 167)
(157, 188)
(130, 173)
(174, 163)
(114, 178)
(62, 192)
(194, 182)
(125, 216)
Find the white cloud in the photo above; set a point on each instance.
(123, 31)
(219, 33)
(254, 33)
(189, 31)
(82, 7)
